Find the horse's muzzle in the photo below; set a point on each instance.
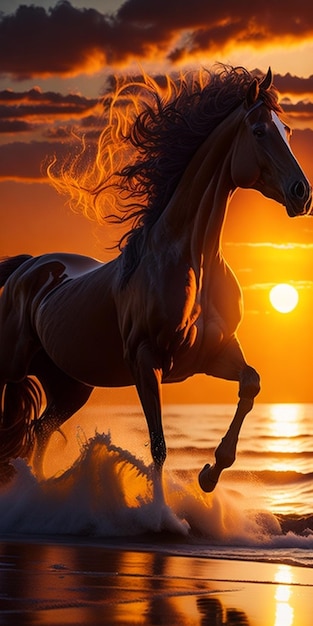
(300, 199)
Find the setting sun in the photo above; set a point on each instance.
(284, 298)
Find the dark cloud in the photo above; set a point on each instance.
(250, 20)
(66, 40)
(36, 42)
(290, 87)
(299, 108)
(89, 127)
(294, 84)
(40, 102)
(36, 95)
(58, 132)
(14, 126)
(22, 111)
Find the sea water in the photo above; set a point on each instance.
(99, 484)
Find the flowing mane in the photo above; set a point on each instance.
(154, 128)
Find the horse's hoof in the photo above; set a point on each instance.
(206, 482)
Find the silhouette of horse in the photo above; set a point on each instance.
(168, 306)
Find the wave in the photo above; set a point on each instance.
(108, 492)
(247, 453)
(263, 453)
(273, 477)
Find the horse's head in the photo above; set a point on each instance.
(262, 158)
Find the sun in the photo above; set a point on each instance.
(284, 298)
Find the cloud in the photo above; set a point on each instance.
(298, 284)
(37, 97)
(9, 126)
(294, 85)
(66, 40)
(267, 244)
(61, 41)
(300, 114)
(42, 124)
(300, 108)
(22, 111)
(38, 102)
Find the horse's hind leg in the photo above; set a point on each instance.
(64, 397)
(249, 387)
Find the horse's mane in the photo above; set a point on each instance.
(154, 128)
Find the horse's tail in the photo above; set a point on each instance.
(21, 404)
(10, 264)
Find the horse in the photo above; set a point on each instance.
(167, 306)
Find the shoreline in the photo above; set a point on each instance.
(88, 581)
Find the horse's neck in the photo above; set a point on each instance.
(194, 217)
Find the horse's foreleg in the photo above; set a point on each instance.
(148, 376)
(225, 453)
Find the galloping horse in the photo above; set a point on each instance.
(168, 306)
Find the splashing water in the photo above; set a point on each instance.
(108, 492)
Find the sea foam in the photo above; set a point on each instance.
(108, 492)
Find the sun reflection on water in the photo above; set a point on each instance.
(285, 430)
(284, 614)
(285, 421)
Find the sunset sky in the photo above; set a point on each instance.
(55, 62)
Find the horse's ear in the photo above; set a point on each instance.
(252, 93)
(266, 83)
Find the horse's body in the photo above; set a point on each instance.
(75, 323)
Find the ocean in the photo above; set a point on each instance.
(98, 485)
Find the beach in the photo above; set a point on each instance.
(85, 583)
(89, 545)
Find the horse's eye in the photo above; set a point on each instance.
(259, 130)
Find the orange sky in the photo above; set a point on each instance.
(54, 66)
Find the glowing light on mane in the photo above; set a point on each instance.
(95, 168)
(151, 129)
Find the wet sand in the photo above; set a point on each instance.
(94, 583)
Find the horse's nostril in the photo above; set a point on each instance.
(298, 190)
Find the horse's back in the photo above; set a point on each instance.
(38, 275)
(36, 287)
(76, 322)
(64, 263)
